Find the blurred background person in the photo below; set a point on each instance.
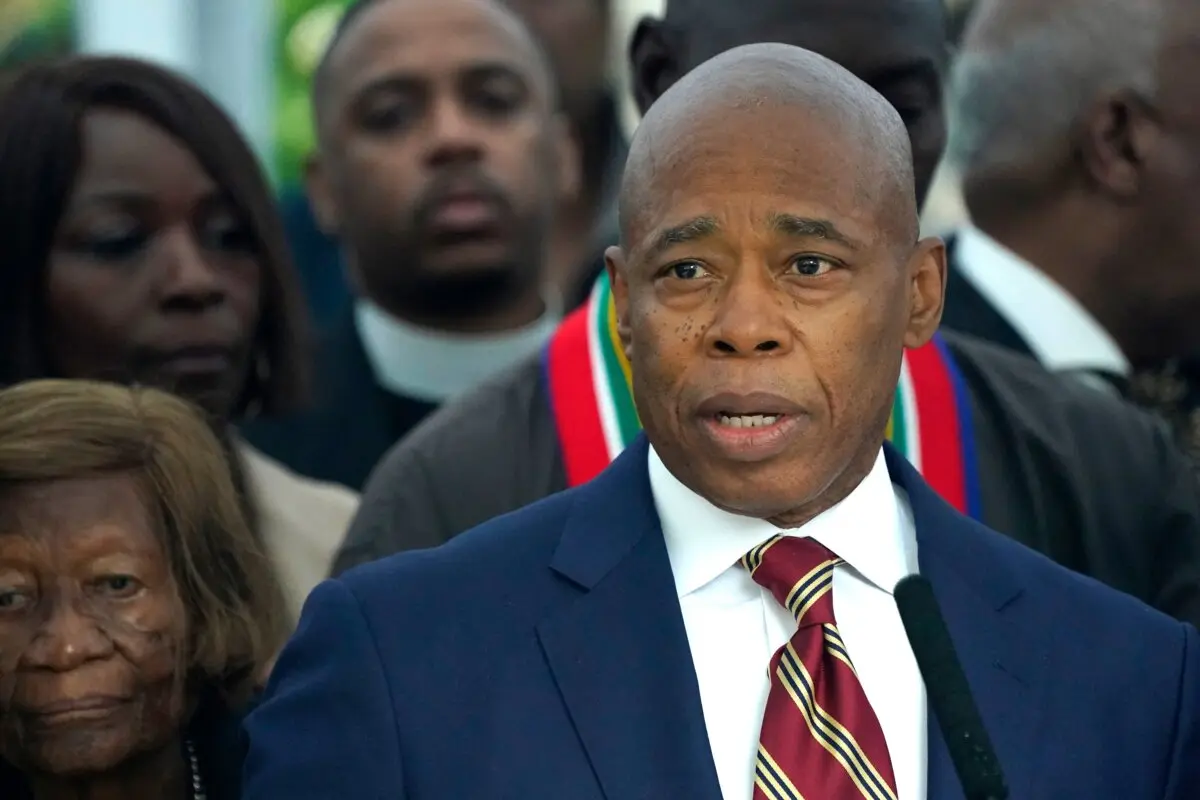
(141, 245)
(577, 37)
(1077, 133)
(138, 610)
(442, 159)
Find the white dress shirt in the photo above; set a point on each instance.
(734, 626)
(435, 366)
(1063, 335)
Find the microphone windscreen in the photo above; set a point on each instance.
(948, 691)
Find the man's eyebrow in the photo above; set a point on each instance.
(690, 231)
(806, 228)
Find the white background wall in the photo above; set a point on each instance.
(227, 46)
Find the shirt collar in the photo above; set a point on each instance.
(1062, 334)
(433, 365)
(867, 530)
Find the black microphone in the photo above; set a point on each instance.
(949, 694)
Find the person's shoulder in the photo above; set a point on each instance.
(504, 407)
(503, 556)
(1077, 607)
(484, 454)
(1049, 405)
(284, 492)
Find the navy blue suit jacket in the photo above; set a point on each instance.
(543, 655)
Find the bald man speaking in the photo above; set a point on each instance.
(713, 616)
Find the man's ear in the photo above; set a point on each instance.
(927, 291)
(614, 264)
(320, 196)
(653, 63)
(1116, 140)
(568, 157)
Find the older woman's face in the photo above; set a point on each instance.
(153, 276)
(90, 628)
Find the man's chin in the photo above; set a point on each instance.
(463, 287)
(765, 494)
(470, 256)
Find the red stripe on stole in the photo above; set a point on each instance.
(940, 428)
(573, 399)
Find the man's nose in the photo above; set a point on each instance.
(455, 134)
(750, 319)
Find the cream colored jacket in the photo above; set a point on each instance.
(302, 522)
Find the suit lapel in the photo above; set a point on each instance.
(982, 602)
(620, 653)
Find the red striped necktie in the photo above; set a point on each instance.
(820, 737)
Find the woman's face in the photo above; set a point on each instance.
(91, 627)
(153, 277)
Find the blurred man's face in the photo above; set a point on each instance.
(442, 157)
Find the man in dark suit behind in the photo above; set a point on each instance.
(614, 641)
(1074, 474)
(442, 157)
(1077, 136)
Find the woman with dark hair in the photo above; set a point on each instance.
(140, 244)
(137, 609)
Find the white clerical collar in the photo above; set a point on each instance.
(1062, 334)
(435, 366)
(871, 530)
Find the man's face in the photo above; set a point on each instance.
(898, 48)
(441, 157)
(765, 300)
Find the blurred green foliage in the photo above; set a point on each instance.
(32, 30)
(304, 29)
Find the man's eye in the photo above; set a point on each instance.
(812, 266)
(686, 271)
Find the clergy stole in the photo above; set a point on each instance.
(591, 398)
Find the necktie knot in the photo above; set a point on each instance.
(799, 573)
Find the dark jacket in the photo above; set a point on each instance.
(216, 731)
(1171, 390)
(1085, 478)
(352, 421)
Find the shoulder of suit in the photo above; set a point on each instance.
(1065, 598)
(499, 416)
(505, 553)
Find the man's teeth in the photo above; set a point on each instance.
(747, 420)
